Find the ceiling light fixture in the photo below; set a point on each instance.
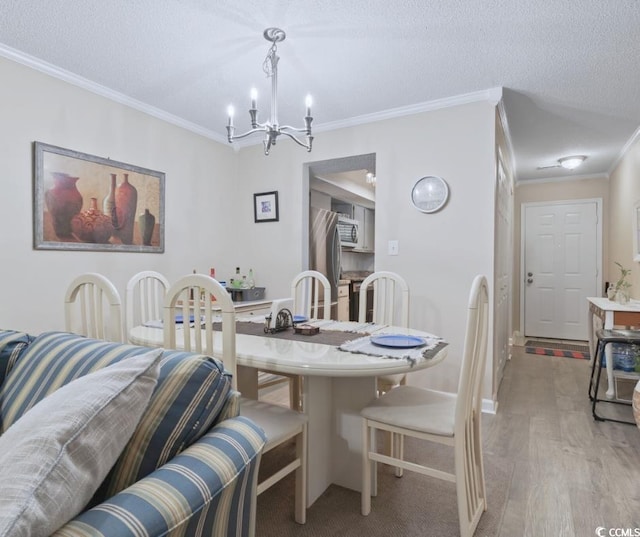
(370, 179)
(569, 163)
(272, 128)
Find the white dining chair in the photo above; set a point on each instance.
(311, 293)
(280, 424)
(434, 416)
(144, 298)
(92, 308)
(390, 306)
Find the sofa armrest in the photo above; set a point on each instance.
(231, 408)
(208, 489)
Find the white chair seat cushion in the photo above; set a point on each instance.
(415, 408)
(278, 422)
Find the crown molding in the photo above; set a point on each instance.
(81, 82)
(563, 178)
(491, 95)
(625, 149)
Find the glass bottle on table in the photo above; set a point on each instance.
(251, 281)
(191, 290)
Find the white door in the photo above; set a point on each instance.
(560, 268)
(503, 271)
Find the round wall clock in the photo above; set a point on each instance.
(430, 194)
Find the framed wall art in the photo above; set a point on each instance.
(84, 202)
(265, 207)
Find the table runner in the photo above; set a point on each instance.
(325, 337)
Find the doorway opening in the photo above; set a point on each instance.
(341, 192)
(561, 260)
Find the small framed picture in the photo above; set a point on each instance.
(265, 207)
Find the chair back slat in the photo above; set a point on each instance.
(144, 298)
(92, 308)
(311, 292)
(469, 401)
(390, 299)
(191, 295)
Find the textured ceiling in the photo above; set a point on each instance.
(570, 68)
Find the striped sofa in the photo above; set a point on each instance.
(190, 468)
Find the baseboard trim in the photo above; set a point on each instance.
(489, 406)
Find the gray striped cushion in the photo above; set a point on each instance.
(12, 344)
(206, 491)
(190, 393)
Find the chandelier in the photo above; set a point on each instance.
(272, 129)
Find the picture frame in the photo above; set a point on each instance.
(636, 231)
(265, 207)
(91, 203)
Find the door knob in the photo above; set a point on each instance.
(529, 280)
(529, 274)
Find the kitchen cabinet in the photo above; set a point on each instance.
(366, 231)
(342, 207)
(369, 231)
(343, 301)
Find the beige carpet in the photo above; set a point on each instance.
(413, 505)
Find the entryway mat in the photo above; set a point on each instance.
(550, 348)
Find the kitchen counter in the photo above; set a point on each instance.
(355, 275)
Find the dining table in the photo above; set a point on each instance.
(339, 370)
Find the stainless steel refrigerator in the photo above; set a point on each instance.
(324, 247)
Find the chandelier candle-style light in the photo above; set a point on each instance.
(272, 129)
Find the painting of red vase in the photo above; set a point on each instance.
(85, 202)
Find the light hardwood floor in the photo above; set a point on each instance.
(571, 474)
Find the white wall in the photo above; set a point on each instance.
(199, 185)
(209, 203)
(439, 253)
(624, 194)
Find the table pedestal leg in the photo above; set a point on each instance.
(248, 381)
(335, 431)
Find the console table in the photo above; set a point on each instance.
(611, 315)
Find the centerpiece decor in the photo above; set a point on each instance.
(620, 290)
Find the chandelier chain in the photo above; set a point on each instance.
(270, 61)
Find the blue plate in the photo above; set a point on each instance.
(179, 319)
(300, 318)
(398, 341)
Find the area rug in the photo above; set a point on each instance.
(549, 348)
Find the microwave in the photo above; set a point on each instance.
(348, 231)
